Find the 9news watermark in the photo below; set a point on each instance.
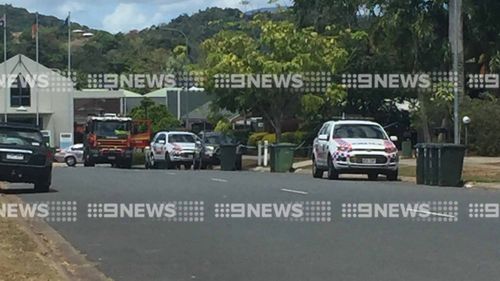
(303, 211)
(175, 211)
(305, 82)
(54, 211)
(299, 211)
(431, 211)
(484, 210)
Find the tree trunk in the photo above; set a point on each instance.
(277, 130)
(442, 138)
(423, 117)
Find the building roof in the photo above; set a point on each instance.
(161, 93)
(21, 64)
(105, 94)
(130, 94)
(202, 112)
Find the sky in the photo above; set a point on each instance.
(125, 15)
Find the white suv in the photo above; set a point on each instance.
(354, 147)
(172, 149)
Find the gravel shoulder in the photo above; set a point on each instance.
(21, 258)
(32, 250)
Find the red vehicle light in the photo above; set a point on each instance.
(92, 140)
(390, 147)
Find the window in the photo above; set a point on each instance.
(359, 131)
(20, 137)
(322, 130)
(112, 129)
(77, 147)
(161, 137)
(181, 138)
(219, 139)
(325, 129)
(20, 93)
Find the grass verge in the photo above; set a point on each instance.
(476, 173)
(20, 256)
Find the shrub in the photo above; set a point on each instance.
(270, 138)
(288, 137)
(255, 137)
(484, 130)
(293, 137)
(223, 126)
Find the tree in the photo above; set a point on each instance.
(160, 117)
(322, 13)
(223, 126)
(273, 47)
(482, 132)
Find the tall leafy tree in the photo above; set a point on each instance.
(273, 47)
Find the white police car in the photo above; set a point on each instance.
(354, 147)
(172, 149)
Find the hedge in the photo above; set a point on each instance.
(288, 137)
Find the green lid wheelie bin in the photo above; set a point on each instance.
(420, 163)
(433, 168)
(450, 164)
(406, 149)
(228, 157)
(427, 164)
(282, 157)
(440, 164)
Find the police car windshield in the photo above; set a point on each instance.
(359, 131)
(180, 138)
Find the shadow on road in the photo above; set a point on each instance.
(16, 191)
(362, 179)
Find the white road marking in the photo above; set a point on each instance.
(218, 180)
(431, 213)
(172, 174)
(294, 191)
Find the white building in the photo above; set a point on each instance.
(34, 94)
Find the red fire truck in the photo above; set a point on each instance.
(113, 140)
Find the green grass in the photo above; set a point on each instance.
(407, 171)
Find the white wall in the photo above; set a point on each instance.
(54, 96)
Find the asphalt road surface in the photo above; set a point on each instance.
(273, 249)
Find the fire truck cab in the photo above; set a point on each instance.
(110, 139)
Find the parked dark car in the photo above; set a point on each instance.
(211, 148)
(24, 157)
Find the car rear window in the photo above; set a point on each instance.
(10, 136)
(218, 139)
(359, 131)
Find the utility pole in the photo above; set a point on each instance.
(457, 49)
(6, 93)
(37, 73)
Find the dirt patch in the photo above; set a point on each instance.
(20, 256)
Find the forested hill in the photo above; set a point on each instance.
(21, 20)
(144, 50)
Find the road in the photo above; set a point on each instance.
(272, 249)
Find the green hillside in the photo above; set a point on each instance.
(148, 50)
